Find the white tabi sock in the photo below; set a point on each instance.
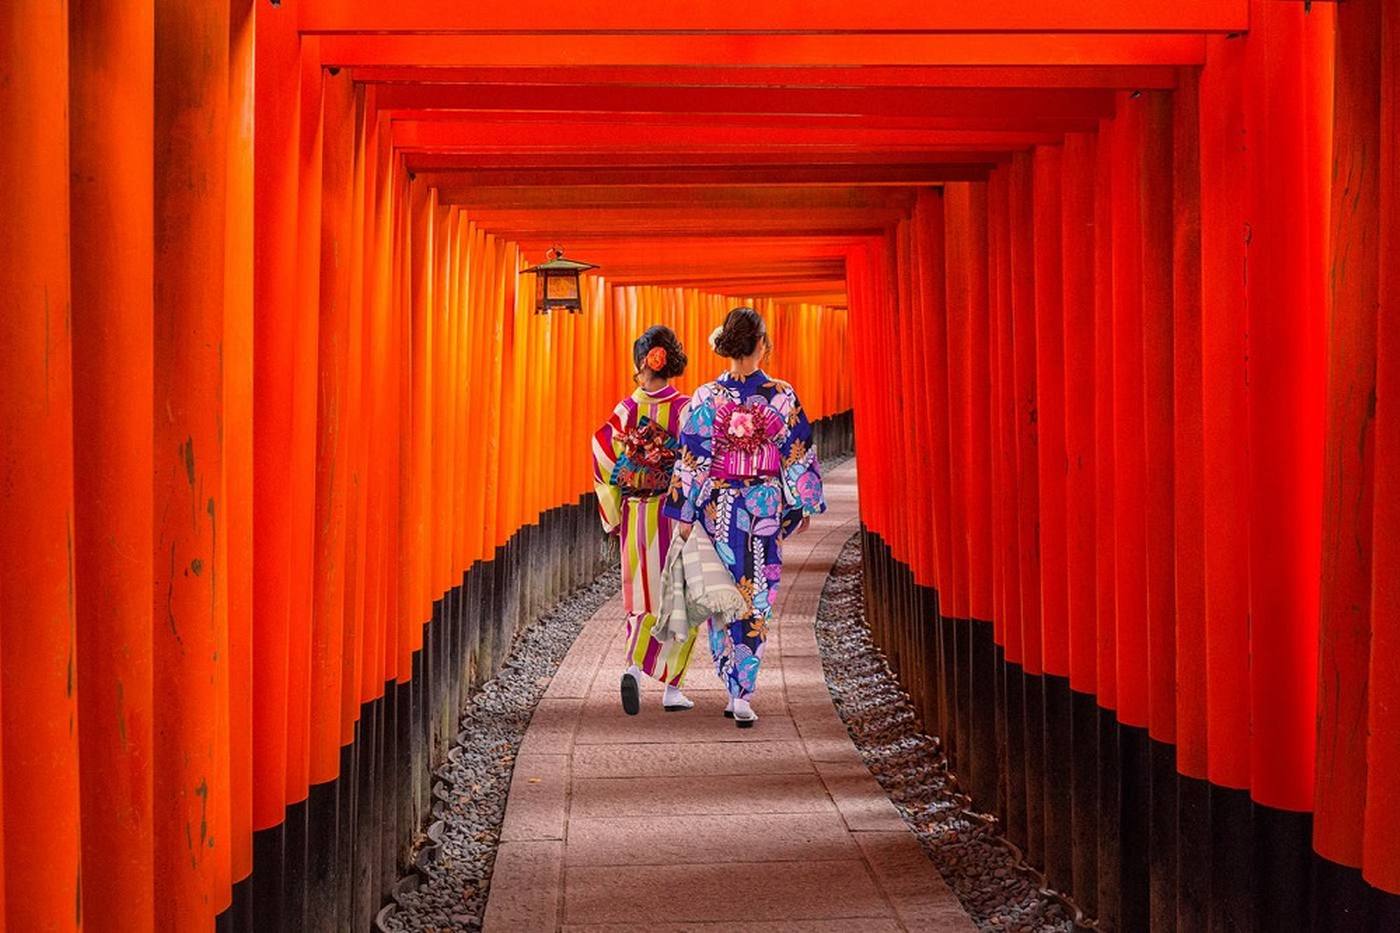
(674, 698)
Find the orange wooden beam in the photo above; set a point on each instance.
(1113, 77)
(1013, 16)
(680, 135)
(863, 49)
(1027, 105)
(464, 185)
(735, 157)
(738, 197)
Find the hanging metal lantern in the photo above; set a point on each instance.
(556, 282)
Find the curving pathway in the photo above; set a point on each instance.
(680, 821)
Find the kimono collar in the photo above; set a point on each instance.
(756, 378)
(662, 394)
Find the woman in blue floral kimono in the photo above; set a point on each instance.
(747, 470)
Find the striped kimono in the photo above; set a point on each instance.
(632, 457)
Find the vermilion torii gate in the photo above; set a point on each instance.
(285, 455)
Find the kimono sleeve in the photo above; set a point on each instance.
(802, 476)
(692, 468)
(607, 447)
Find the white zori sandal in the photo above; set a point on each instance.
(673, 701)
(744, 716)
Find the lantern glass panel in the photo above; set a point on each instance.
(562, 286)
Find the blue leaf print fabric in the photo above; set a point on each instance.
(765, 481)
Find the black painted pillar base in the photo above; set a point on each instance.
(1059, 764)
(1193, 854)
(1033, 723)
(322, 851)
(984, 761)
(238, 918)
(1232, 860)
(1135, 787)
(1110, 854)
(1163, 821)
(962, 689)
(1084, 800)
(1282, 869)
(1015, 682)
(268, 877)
(1003, 797)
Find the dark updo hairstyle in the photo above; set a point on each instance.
(659, 335)
(739, 336)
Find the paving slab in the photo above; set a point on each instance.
(920, 897)
(700, 760)
(538, 799)
(736, 892)
(648, 796)
(861, 801)
(525, 887)
(867, 925)
(552, 727)
(669, 822)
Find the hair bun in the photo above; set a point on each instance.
(714, 337)
(740, 335)
(658, 351)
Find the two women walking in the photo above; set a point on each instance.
(737, 457)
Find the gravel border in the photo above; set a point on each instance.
(456, 856)
(997, 889)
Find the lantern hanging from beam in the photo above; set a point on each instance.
(556, 282)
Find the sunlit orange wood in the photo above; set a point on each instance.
(190, 658)
(332, 428)
(237, 568)
(38, 587)
(112, 148)
(274, 347)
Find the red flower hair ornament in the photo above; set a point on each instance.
(656, 359)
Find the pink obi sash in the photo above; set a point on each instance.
(745, 441)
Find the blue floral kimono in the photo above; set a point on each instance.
(748, 472)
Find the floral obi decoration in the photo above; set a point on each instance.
(745, 440)
(648, 453)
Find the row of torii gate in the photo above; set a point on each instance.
(286, 454)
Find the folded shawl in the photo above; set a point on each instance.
(695, 585)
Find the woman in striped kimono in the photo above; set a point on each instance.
(632, 458)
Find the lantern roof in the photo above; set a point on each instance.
(560, 264)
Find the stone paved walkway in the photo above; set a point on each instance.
(680, 821)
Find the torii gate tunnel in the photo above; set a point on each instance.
(1102, 293)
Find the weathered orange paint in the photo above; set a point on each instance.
(237, 566)
(189, 601)
(38, 587)
(111, 93)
